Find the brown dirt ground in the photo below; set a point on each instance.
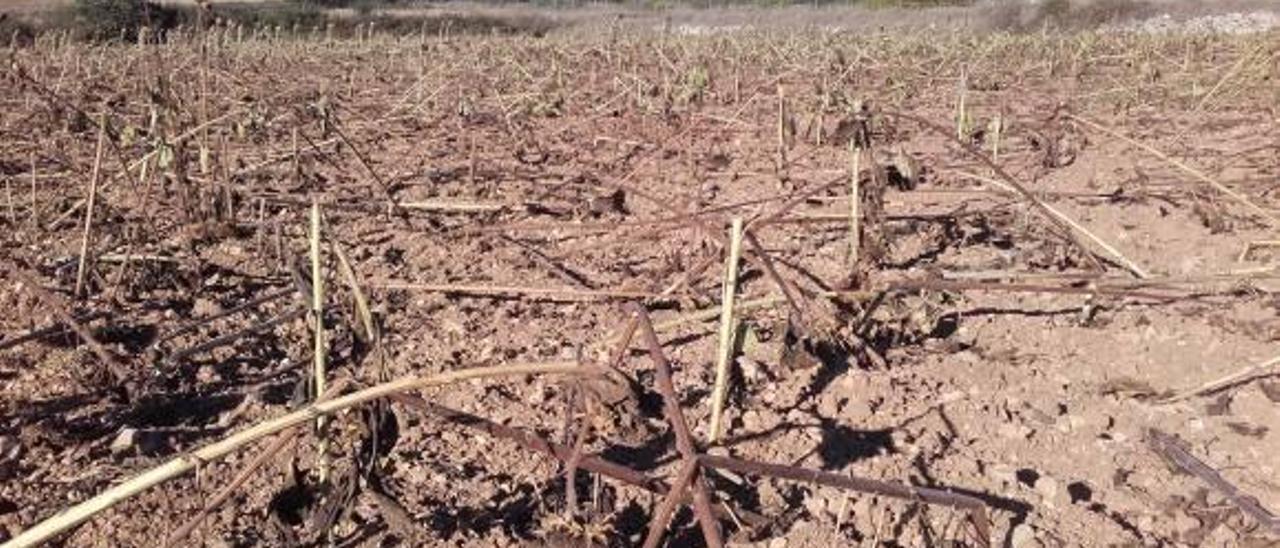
(1039, 403)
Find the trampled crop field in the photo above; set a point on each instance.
(617, 284)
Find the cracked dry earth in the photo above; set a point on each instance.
(588, 157)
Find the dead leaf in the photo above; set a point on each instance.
(1220, 406)
(1271, 389)
(1246, 429)
(1127, 387)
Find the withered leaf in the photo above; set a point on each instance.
(1246, 429)
(1127, 387)
(1271, 389)
(1220, 405)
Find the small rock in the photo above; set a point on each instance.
(779, 542)
(829, 406)
(613, 202)
(124, 441)
(752, 371)
(769, 395)
(141, 442)
(769, 495)
(1023, 537)
(1184, 523)
(751, 421)
(815, 505)
(205, 307)
(856, 409)
(861, 506)
(1015, 431)
(206, 374)
(10, 451)
(1003, 473)
(1046, 487)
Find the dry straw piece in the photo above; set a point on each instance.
(725, 353)
(47, 529)
(855, 230)
(1272, 220)
(1111, 250)
(83, 266)
(1256, 371)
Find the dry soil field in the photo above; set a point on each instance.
(1007, 290)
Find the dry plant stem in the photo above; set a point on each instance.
(1244, 60)
(708, 314)
(976, 509)
(223, 340)
(361, 302)
(997, 128)
(1174, 450)
(61, 308)
(319, 349)
(791, 204)
(1110, 249)
(1247, 374)
(39, 333)
(137, 164)
(537, 444)
(855, 231)
(230, 488)
(725, 352)
(1008, 179)
(44, 531)
(83, 266)
(662, 515)
(945, 285)
(35, 209)
(572, 465)
(772, 271)
(782, 130)
(442, 206)
(624, 343)
(550, 294)
(1250, 246)
(245, 474)
(1271, 219)
(231, 311)
(684, 439)
(364, 162)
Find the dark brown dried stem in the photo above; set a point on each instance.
(39, 333)
(662, 516)
(975, 507)
(1020, 190)
(230, 311)
(281, 440)
(576, 399)
(1174, 451)
(783, 285)
(946, 285)
(229, 489)
(60, 308)
(702, 506)
(536, 444)
(260, 327)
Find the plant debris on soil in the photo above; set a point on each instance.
(994, 289)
